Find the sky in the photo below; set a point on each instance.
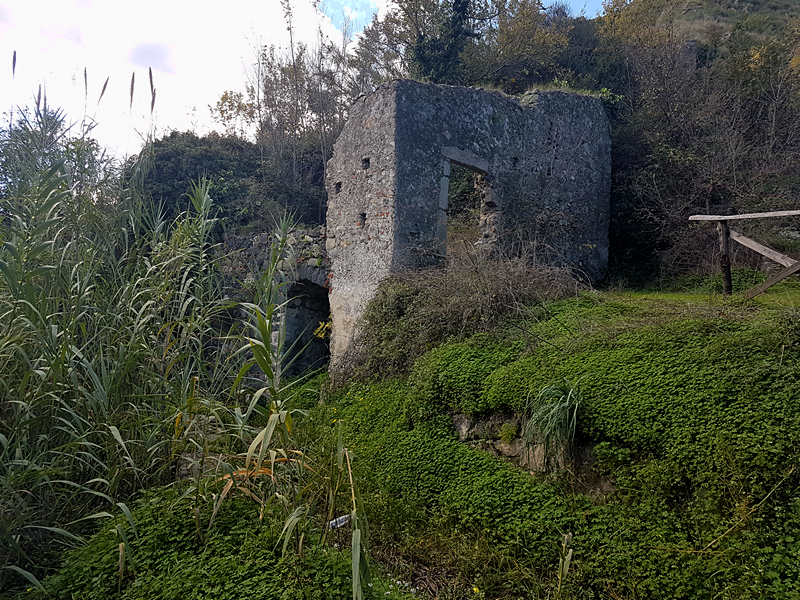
(197, 50)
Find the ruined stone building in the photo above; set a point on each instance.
(543, 161)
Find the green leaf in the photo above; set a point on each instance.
(129, 517)
(29, 576)
(288, 527)
(118, 437)
(262, 439)
(355, 552)
(97, 515)
(57, 530)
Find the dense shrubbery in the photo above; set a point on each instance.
(106, 343)
(690, 408)
(250, 190)
(454, 374)
(415, 312)
(122, 369)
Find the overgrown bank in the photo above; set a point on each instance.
(692, 408)
(689, 406)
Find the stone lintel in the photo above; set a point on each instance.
(466, 158)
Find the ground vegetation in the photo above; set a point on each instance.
(680, 481)
(150, 445)
(125, 368)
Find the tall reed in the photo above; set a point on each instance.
(106, 338)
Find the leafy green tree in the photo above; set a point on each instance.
(230, 164)
(510, 43)
(437, 58)
(35, 138)
(294, 108)
(39, 137)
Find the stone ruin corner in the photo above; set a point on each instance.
(543, 165)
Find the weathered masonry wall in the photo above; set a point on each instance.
(544, 162)
(361, 202)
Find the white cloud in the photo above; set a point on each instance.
(197, 51)
(74, 35)
(152, 55)
(69, 34)
(383, 6)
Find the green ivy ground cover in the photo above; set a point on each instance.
(693, 409)
(239, 558)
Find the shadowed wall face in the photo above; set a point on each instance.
(544, 164)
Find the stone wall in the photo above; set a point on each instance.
(544, 163)
(308, 260)
(362, 176)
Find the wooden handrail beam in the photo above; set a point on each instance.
(779, 213)
(726, 234)
(781, 259)
(772, 281)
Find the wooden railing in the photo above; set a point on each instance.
(726, 235)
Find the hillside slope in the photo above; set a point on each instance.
(691, 409)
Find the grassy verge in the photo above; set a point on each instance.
(686, 485)
(174, 554)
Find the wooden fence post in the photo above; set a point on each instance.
(725, 235)
(725, 256)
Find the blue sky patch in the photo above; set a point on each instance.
(359, 12)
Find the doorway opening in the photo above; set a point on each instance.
(463, 209)
(305, 317)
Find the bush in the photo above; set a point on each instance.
(423, 482)
(415, 312)
(455, 374)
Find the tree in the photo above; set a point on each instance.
(465, 42)
(518, 47)
(294, 109)
(37, 138)
(229, 163)
(437, 57)
(705, 126)
(234, 112)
